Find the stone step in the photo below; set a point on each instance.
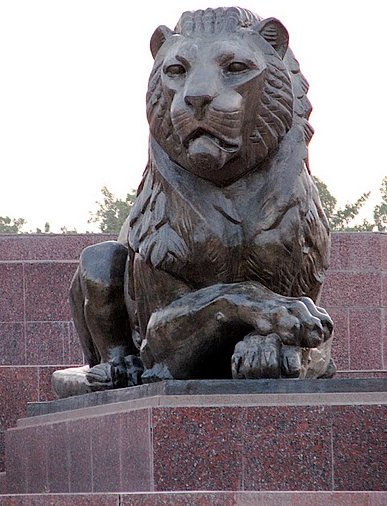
(290, 498)
(210, 387)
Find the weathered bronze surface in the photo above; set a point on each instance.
(217, 271)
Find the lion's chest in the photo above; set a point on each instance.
(203, 235)
(223, 250)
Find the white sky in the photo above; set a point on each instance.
(73, 77)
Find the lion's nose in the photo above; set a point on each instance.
(198, 103)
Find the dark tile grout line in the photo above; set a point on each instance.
(24, 315)
(332, 457)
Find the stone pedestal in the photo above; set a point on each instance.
(236, 436)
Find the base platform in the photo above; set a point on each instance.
(201, 499)
(239, 437)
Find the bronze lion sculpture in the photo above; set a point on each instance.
(218, 269)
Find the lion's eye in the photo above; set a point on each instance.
(237, 66)
(174, 70)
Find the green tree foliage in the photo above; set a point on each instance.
(11, 225)
(45, 231)
(14, 226)
(328, 201)
(341, 219)
(112, 212)
(380, 211)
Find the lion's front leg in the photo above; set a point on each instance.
(298, 346)
(267, 335)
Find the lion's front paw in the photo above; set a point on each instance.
(298, 322)
(285, 331)
(265, 357)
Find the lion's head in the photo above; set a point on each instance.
(220, 96)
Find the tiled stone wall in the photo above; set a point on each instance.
(331, 442)
(36, 332)
(37, 336)
(355, 295)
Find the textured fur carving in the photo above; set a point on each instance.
(285, 208)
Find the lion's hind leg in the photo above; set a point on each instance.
(101, 318)
(90, 352)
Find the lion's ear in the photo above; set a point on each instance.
(160, 35)
(274, 32)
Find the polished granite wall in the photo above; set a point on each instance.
(37, 335)
(202, 499)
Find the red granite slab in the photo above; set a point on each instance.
(359, 443)
(383, 249)
(2, 453)
(206, 447)
(287, 448)
(197, 448)
(295, 462)
(46, 342)
(61, 500)
(135, 451)
(105, 451)
(351, 288)
(361, 374)
(36, 454)
(19, 386)
(80, 454)
(365, 329)
(12, 293)
(310, 499)
(286, 420)
(46, 290)
(201, 499)
(3, 484)
(16, 463)
(45, 389)
(340, 344)
(181, 499)
(27, 464)
(12, 351)
(73, 349)
(384, 338)
(58, 458)
(47, 246)
(355, 251)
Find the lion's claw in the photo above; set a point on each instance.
(298, 322)
(256, 357)
(265, 357)
(99, 377)
(116, 374)
(290, 361)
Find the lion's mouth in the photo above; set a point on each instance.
(223, 144)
